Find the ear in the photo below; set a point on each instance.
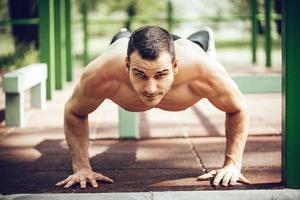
(175, 66)
(127, 64)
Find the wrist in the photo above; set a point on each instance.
(232, 160)
(79, 166)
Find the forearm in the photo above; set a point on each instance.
(236, 128)
(76, 132)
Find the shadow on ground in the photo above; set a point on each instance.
(135, 165)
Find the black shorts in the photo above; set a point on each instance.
(201, 38)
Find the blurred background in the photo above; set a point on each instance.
(96, 21)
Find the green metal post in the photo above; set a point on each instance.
(254, 29)
(291, 93)
(268, 37)
(68, 25)
(85, 31)
(170, 15)
(128, 124)
(60, 48)
(46, 41)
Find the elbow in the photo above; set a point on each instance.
(243, 112)
(70, 113)
(244, 108)
(241, 108)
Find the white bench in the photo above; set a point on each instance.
(15, 84)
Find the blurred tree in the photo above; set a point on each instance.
(131, 12)
(3, 14)
(277, 8)
(238, 6)
(143, 7)
(245, 6)
(24, 34)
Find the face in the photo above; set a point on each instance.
(151, 79)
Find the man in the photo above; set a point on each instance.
(150, 70)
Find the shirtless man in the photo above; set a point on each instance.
(150, 70)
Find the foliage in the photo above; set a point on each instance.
(23, 55)
(238, 6)
(111, 7)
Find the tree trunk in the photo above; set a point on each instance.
(24, 34)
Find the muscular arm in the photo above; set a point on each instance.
(76, 126)
(227, 97)
(231, 101)
(94, 87)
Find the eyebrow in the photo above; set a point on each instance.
(159, 72)
(138, 70)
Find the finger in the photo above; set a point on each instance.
(219, 177)
(242, 179)
(226, 179)
(63, 182)
(69, 184)
(206, 176)
(82, 184)
(94, 183)
(233, 180)
(103, 178)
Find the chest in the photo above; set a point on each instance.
(178, 98)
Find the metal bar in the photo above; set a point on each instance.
(170, 15)
(60, 49)
(85, 31)
(268, 37)
(63, 42)
(68, 25)
(28, 21)
(176, 19)
(46, 41)
(254, 29)
(291, 93)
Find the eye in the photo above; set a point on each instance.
(141, 75)
(160, 76)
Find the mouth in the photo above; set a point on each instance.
(150, 98)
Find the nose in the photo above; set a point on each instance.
(150, 87)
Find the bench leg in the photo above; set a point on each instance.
(128, 124)
(14, 109)
(38, 96)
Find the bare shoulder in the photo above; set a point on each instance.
(99, 80)
(212, 80)
(102, 77)
(209, 75)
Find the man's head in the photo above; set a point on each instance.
(151, 63)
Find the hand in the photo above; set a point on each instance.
(229, 174)
(83, 176)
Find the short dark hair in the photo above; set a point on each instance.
(150, 41)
